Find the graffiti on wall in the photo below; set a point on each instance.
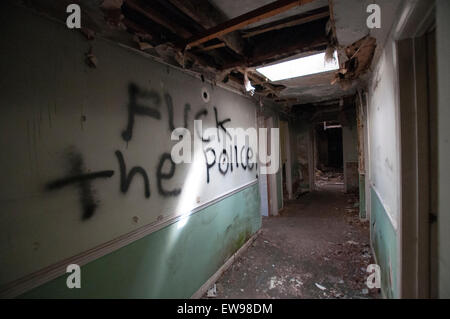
(148, 104)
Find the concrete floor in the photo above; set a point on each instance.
(318, 239)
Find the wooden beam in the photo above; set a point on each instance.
(135, 28)
(201, 11)
(288, 42)
(288, 24)
(211, 47)
(155, 16)
(244, 20)
(206, 15)
(258, 79)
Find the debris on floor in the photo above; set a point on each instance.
(315, 249)
(212, 292)
(328, 176)
(320, 287)
(300, 192)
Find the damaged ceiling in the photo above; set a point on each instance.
(225, 41)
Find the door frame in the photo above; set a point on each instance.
(272, 186)
(416, 19)
(284, 125)
(264, 187)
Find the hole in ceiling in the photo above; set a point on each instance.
(312, 64)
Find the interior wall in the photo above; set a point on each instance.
(61, 119)
(443, 67)
(302, 153)
(384, 131)
(272, 184)
(367, 157)
(384, 167)
(171, 263)
(350, 143)
(263, 180)
(362, 149)
(286, 158)
(279, 174)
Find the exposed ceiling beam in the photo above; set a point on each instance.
(155, 16)
(288, 42)
(138, 15)
(135, 28)
(155, 41)
(206, 15)
(287, 24)
(260, 80)
(246, 19)
(211, 47)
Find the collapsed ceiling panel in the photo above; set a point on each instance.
(358, 46)
(224, 40)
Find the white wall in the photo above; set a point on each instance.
(55, 109)
(383, 132)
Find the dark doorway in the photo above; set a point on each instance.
(329, 163)
(335, 150)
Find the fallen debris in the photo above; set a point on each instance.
(212, 292)
(360, 55)
(317, 252)
(113, 13)
(141, 40)
(329, 177)
(320, 287)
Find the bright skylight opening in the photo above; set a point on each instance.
(312, 64)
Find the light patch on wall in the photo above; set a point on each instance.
(312, 64)
(192, 188)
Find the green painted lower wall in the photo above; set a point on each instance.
(173, 262)
(384, 243)
(362, 197)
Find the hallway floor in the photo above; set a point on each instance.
(316, 248)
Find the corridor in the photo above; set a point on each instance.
(316, 248)
(176, 149)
